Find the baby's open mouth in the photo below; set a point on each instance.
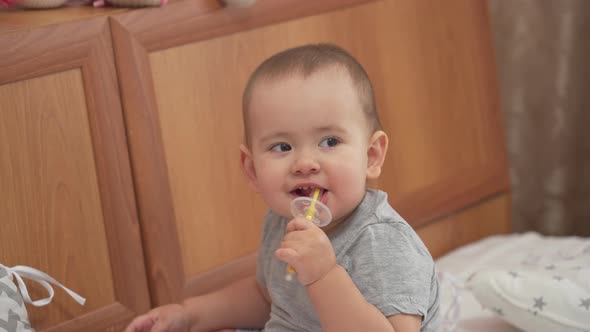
(307, 191)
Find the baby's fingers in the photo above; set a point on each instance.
(169, 325)
(142, 323)
(299, 224)
(287, 255)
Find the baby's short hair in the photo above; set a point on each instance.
(306, 60)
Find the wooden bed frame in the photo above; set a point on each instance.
(491, 217)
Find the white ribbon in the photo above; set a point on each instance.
(40, 277)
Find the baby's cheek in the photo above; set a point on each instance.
(349, 185)
(349, 174)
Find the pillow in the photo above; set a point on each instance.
(13, 314)
(548, 290)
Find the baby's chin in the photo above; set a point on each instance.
(282, 212)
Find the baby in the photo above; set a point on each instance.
(311, 123)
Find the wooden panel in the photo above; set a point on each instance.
(194, 204)
(218, 218)
(437, 93)
(490, 217)
(161, 245)
(433, 72)
(15, 18)
(67, 203)
(188, 21)
(52, 217)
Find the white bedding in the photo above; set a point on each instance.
(528, 249)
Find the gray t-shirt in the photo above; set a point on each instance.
(382, 254)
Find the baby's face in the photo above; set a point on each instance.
(309, 133)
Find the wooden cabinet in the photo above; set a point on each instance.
(67, 205)
(119, 137)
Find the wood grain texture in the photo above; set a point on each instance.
(69, 201)
(154, 199)
(114, 173)
(440, 107)
(486, 218)
(52, 218)
(218, 218)
(189, 21)
(14, 18)
(218, 277)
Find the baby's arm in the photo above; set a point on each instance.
(341, 307)
(339, 304)
(241, 304)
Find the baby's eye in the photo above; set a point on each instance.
(329, 142)
(280, 147)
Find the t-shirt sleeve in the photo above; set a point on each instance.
(392, 268)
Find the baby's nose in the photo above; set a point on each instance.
(305, 164)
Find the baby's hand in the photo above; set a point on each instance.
(306, 248)
(168, 318)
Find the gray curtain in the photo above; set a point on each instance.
(543, 61)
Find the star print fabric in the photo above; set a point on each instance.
(516, 282)
(548, 289)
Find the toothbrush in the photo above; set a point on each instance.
(309, 216)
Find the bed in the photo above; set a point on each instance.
(505, 282)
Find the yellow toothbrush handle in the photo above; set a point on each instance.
(314, 199)
(309, 216)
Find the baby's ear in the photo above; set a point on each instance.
(376, 154)
(247, 164)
